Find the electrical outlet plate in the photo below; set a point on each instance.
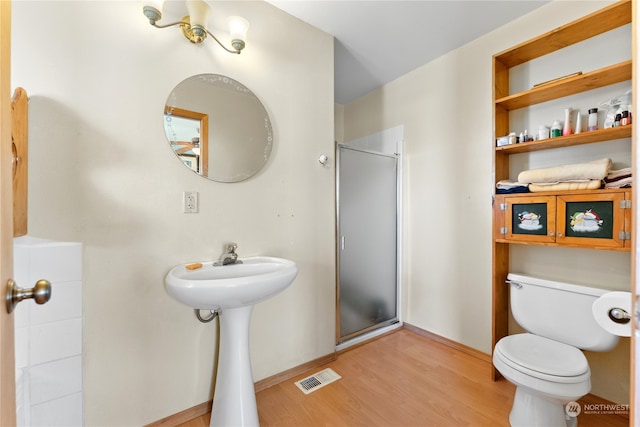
(190, 201)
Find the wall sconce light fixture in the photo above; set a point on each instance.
(194, 26)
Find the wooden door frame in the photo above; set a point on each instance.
(7, 357)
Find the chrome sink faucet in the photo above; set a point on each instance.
(230, 256)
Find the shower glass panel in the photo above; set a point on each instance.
(367, 248)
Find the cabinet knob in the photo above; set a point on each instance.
(559, 234)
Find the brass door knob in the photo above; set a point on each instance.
(41, 293)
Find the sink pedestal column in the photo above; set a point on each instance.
(234, 399)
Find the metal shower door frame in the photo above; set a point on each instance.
(396, 319)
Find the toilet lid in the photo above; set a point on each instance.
(543, 355)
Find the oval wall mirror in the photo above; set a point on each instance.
(218, 128)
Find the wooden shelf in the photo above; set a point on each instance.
(570, 86)
(564, 245)
(601, 21)
(599, 135)
(568, 192)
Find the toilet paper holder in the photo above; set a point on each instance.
(619, 315)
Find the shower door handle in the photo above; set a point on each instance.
(342, 243)
(41, 293)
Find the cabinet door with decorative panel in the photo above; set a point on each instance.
(529, 219)
(594, 220)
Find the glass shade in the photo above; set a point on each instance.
(156, 4)
(238, 27)
(198, 13)
(152, 9)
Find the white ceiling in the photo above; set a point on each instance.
(379, 41)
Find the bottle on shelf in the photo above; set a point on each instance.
(593, 119)
(624, 117)
(566, 129)
(543, 132)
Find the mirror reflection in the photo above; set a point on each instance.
(187, 132)
(218, 128)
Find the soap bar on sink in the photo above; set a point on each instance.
(193, 266)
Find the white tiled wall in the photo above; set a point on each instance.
(49, 337)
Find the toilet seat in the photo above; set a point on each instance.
(543, 358)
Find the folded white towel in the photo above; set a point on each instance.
(508, 185)
(541, 184)
(595, 170)
(566, 186)
(620, 183)
(619, 173)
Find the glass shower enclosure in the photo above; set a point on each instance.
(367, 241)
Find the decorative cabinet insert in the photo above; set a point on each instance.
(599, 219)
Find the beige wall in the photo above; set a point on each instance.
(102, 172)
(339, 123)
(445, 108)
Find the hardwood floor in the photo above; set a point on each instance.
(400, 379)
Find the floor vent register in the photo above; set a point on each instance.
(317, 380)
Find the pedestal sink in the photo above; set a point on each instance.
(233, 290)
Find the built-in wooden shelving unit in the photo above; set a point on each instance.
(606, 19)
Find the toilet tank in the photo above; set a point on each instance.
(559, 311)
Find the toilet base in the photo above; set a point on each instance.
(531, 409)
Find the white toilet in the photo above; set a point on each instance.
(546, 363)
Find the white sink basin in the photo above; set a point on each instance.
(232, 290)
(214, 287)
